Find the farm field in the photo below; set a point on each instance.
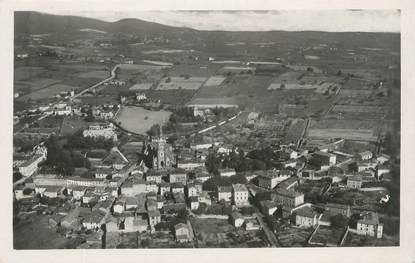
(138, 67)
(348, 134)
(141, 86)
(140, 120)
(35, 83)
(47, 92)
(26, 73)
(191, 83)
(98, 74)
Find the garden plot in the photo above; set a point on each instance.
(214, 81)
(191, 83)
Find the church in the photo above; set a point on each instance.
(163, 156)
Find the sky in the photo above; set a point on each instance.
(289, 20)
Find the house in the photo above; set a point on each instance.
(366, 165)
(240, 195)
(336, 209)
(178, 175)
(268, 207)
(270, 179)
(18, 192)
(224, 193)
(78, 192)
(192, 190)
(194, 203)
(119, 207)
(102, 173)
(155, 176)
(52, 191)
(177, 188)
(203, 177)
(160, 201)
(252, 224)
(289, 154)
(237, 219)
(106, 114)
(323, 159)
(383, 158)
(227, 172)
(151, 187)
(288, 183)
(130, 203)
(135, 224)
(354, 182)
(93, 220)
(369, 225)
(103, 130)
(154, 217)
(151, 205)
(205, 198)
(382, 169)
(182, 233)
(366, 155)
(287, 198)
(164, 188)
(306, 217)
(140, 96)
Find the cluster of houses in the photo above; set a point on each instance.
(130, 197)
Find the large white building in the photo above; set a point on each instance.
(240, 195)
(101, 130)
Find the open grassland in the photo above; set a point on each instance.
(140, 120)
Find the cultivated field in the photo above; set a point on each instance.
(214, 81)
(48, 92)
(35, 83)
(98, 74)
(191, 83)
(140, 120)
(348, 134)
(137, 67)
(141, 86)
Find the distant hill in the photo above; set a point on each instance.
(28, 22)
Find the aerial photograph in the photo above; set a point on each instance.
(206, 129)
